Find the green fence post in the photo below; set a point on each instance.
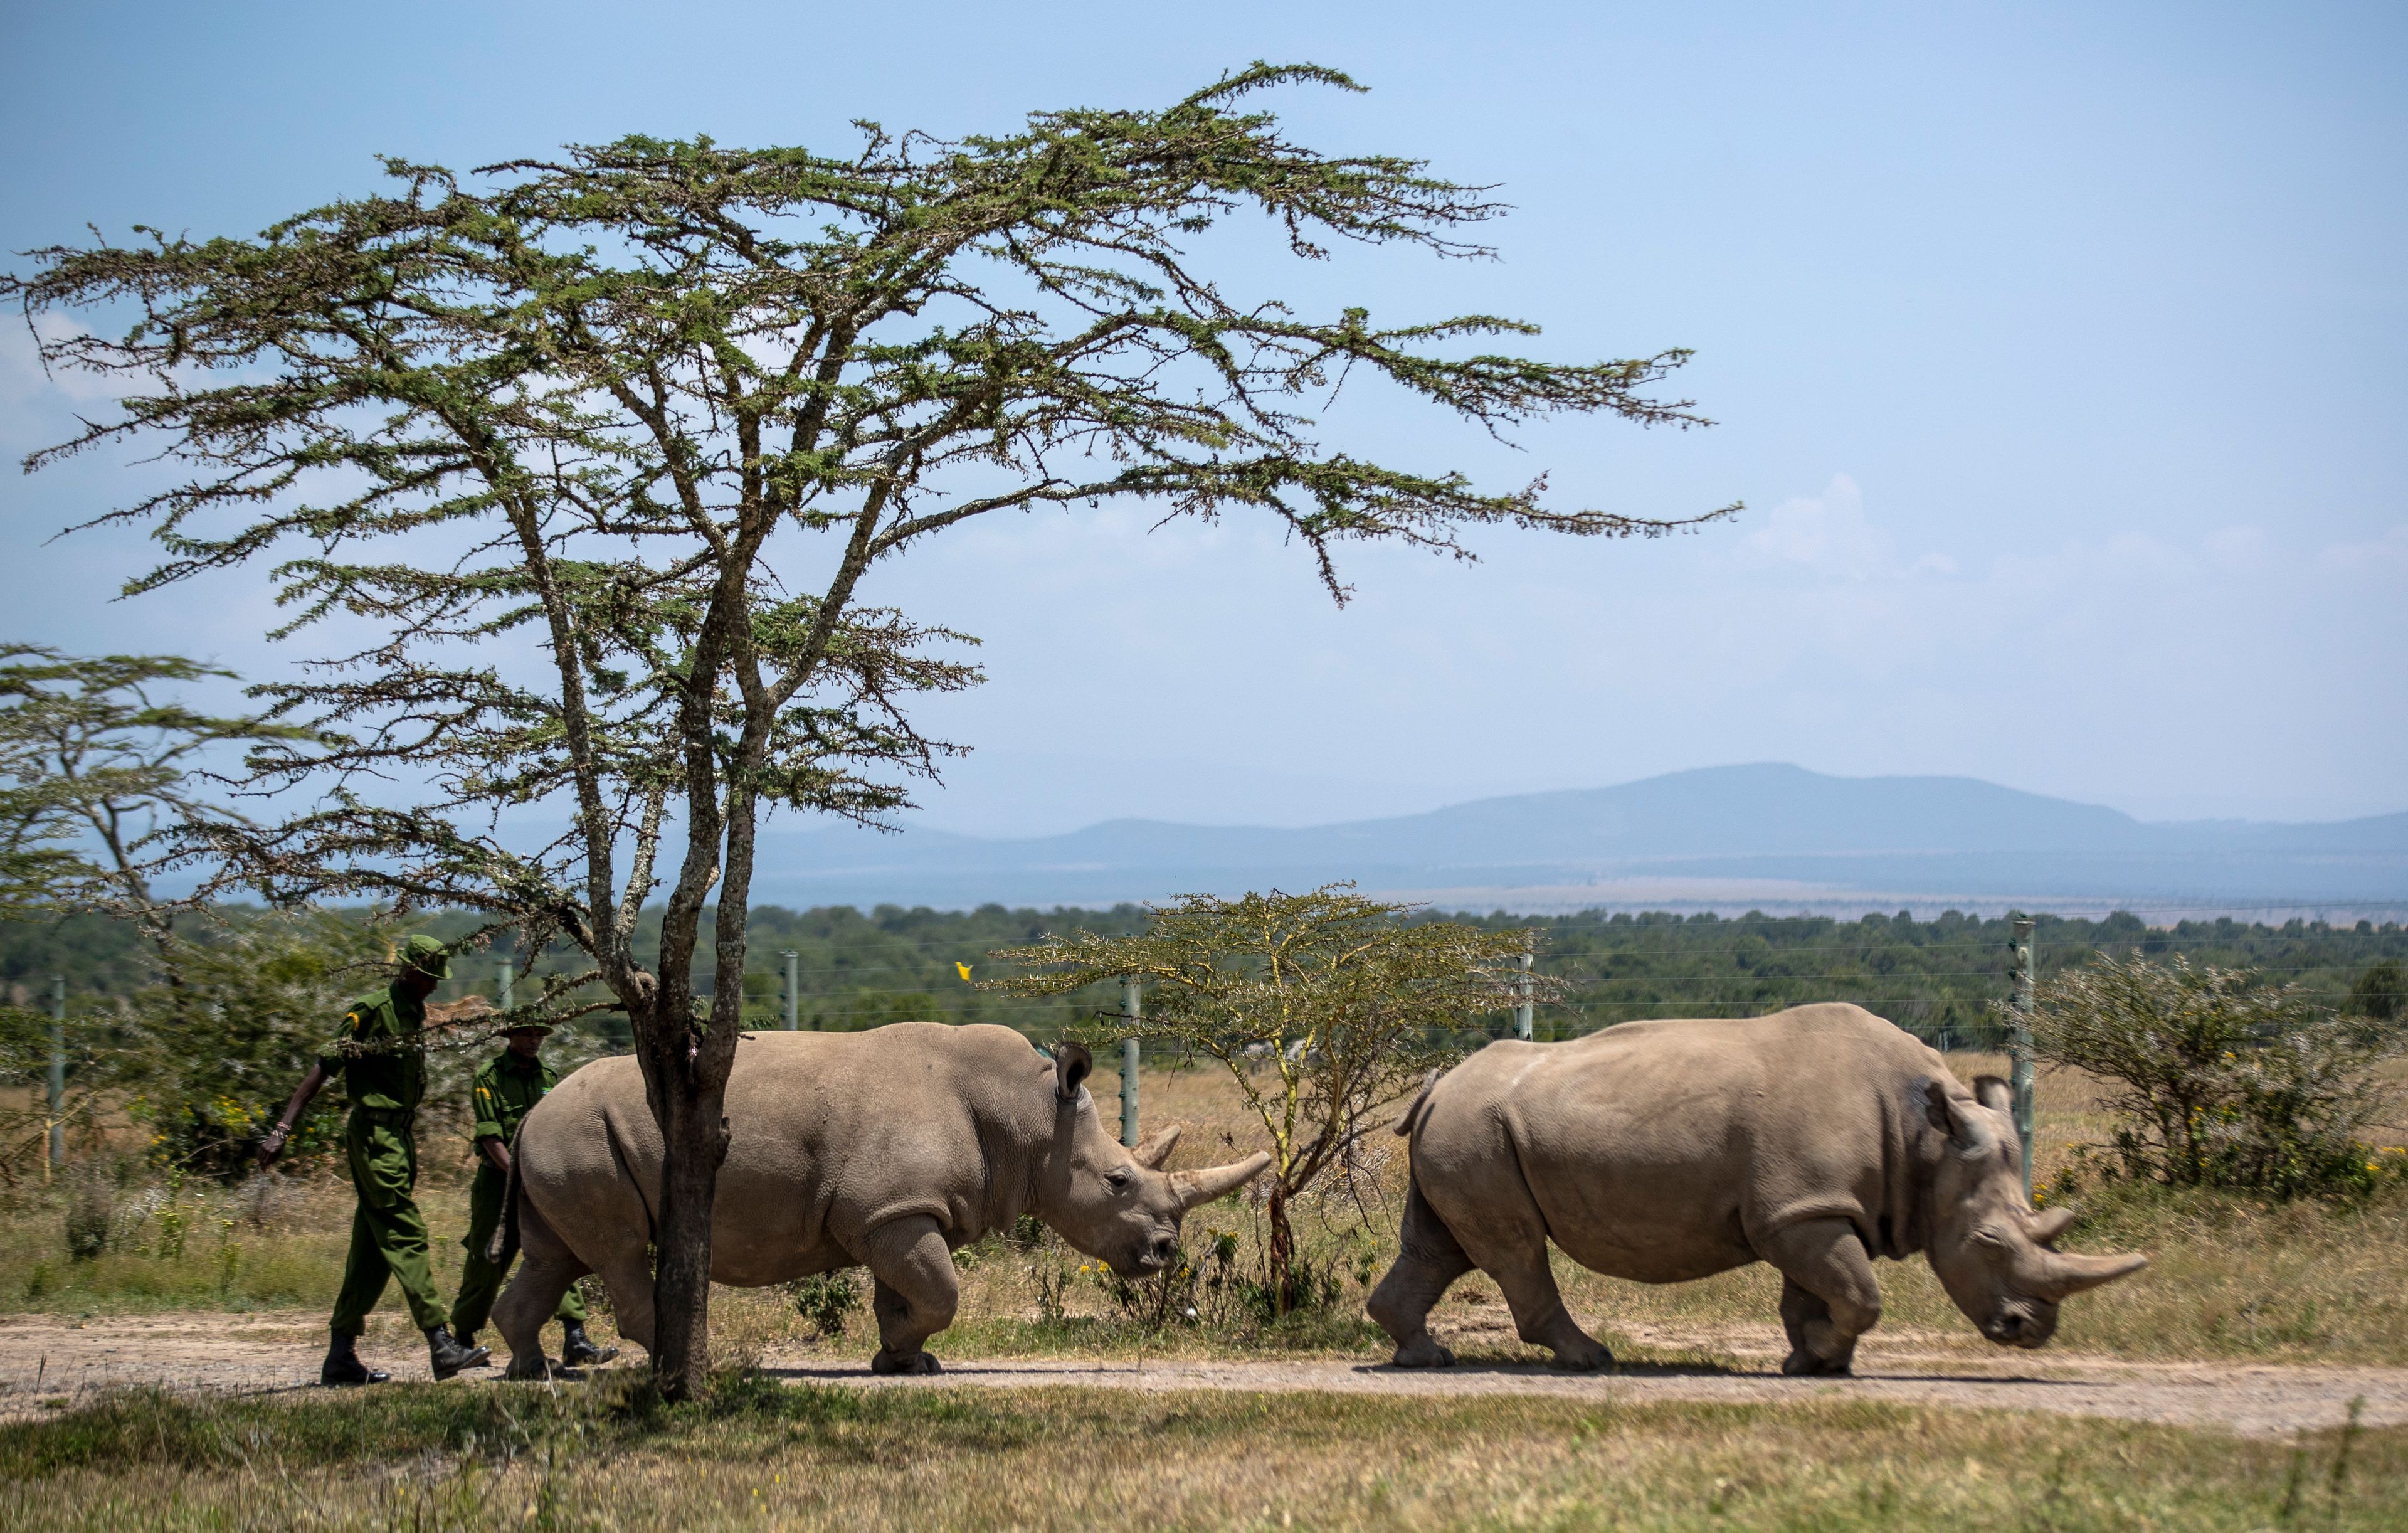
(1128, 1065)
(2019, 1046)
(57, 1096)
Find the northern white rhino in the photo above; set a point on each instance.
(882, 1149)
(1815, 1139)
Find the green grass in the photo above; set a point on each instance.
(755, 1454)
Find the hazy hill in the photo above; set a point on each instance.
(1720, 834)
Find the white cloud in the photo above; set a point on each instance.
(23, 379)
(1826, 533)
(2383, 559)
(2237, 549)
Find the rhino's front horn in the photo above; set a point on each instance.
(1199, 1187)
(2055, 1275)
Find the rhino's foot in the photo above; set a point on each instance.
(1805, 1365)
(533, 1365)
(1587, 1359)
(1423, 1352)
(884, 1361)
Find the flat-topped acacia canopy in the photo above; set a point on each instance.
(660, 407)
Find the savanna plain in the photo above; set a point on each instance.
(159, 1383)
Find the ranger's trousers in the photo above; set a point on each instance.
(388, 1234)
(480, 1281)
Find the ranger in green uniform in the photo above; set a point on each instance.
(384, 1070)
(511, 1083)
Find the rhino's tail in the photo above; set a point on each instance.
(505, 1240)
(1414, 1113)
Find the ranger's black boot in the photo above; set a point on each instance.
(576, 1351)
(343, 1366)
(449, 1356)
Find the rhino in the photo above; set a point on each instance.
(883, 1149)
(1815, 1139)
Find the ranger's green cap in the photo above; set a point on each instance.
(427, 956)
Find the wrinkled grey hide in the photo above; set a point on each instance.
(1815, 1139)
(882, 1149)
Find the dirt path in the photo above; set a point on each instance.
(46, 1363)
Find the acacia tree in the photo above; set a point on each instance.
(601, 450)
(97, 758)
(1324, 1008)
(96, 765)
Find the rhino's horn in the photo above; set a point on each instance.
(2046, 1226)
(1199, 1187)
(2056, 1275)
(1156, 1148)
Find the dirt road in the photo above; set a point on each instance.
(46, 1363)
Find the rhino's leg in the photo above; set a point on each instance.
(1538, 1306)
(626, 1273)
(1830, 1296)
(547, 1268)
(1428, 1259)
(1506, 1238)
(914, 1291)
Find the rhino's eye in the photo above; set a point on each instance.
(1116, 1180)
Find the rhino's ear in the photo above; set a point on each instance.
(1969, 1135)
(1935, 1106)
(1155, 1148)
(1072, 1064)
(1994, 1094)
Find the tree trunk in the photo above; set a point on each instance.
(690, 1111)
(1282, 1253)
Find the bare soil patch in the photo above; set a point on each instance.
(48, 1364)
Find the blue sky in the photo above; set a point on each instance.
(2061, 355)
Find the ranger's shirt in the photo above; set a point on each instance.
(378, 1052)
(505, 1089)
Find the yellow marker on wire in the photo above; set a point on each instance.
(965, 968)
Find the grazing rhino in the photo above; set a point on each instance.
(882, 1149)
(1815, 1139)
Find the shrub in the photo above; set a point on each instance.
(2221, 1080)
(2381, 993)
(92, 1211)
(826, 1300)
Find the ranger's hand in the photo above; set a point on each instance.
(273, 1146)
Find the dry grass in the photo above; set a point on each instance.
(273, 1243)
(2231, 1277)
(759, 1455)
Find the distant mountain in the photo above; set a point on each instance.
(1769, 835)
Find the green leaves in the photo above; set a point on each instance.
(93, 774)
(601, 448)
(1325, 1006)
(2221, 1077)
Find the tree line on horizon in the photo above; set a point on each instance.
(1935, 976)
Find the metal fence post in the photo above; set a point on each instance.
(1522, 1010)
(58, 1081)
(508, 983)
(1128, 1065)
(794, 986)
(2019, 1045)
